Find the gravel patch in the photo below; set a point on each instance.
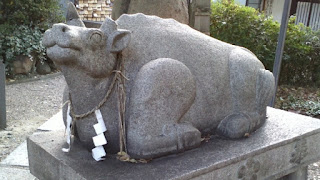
(29, 105)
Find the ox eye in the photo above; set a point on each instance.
(63, 29)
(95, 37)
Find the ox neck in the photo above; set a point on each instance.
(86, 92)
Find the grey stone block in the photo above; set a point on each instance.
(202, 23)
(175, 9)
(23, 64)
(43, 68)
(53, 124)
(92, 24)
(199, 15)
(286, 143)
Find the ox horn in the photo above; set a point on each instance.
(73, 17)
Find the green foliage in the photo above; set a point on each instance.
(306, 107)
(22, 23)
(302, 100)
(20, 40)
(300, 62)
(41, 13)
(245, 26)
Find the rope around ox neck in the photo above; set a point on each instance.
(119, 79)
(106, 97)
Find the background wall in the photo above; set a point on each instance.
(277, 8)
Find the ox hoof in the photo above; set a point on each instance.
(234, 126)
(188, 137)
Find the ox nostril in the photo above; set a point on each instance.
(60, 27)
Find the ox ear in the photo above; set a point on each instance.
(72, 16)
(118, 40)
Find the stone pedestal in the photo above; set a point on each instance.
(282, 148)
(202, 22)
(199, 15)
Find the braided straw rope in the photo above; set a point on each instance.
(119, 80)
(106, 97)
(121, 107)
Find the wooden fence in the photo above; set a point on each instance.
(308, 13)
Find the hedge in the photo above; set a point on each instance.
(22, 23)
(247, 27)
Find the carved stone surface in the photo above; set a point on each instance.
(181, 83)
(23, 64)
(43, 67)
(249, 170)
(269, 7)
(176, 9)
(269, 147)
(200, 9)
(300, 151)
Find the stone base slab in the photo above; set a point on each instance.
(286, 144)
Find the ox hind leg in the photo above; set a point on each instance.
(252, 87)
(163, 91)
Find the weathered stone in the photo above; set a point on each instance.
(266, 154)
(199, 9)
(72, 16)
(92, 24)
(181, 83)
(196, 13)
(22, 65)
(120, 7)
(43, 68)
(176, 9)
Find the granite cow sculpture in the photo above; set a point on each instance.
(182, 83)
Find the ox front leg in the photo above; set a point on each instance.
(163, 92)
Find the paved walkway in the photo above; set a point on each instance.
(16, 165)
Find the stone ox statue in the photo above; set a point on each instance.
(181, 83)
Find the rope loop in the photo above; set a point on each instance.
(118, 80)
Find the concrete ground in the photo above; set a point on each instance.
(16, 165)
(29, 108)
(29, 104)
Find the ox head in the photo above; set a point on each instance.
(90, 49)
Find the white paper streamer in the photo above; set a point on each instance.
(100, 127)
(98, 152)
(99, 140)
(68, 130)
